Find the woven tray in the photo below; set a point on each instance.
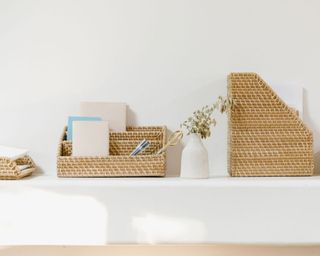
(9, 169)
(118, 163)
(266, 137)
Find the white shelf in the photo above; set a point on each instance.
(46, 210)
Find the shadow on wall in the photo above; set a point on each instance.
(316, 134)
(174, 158)
(131, 117)
(316, 158)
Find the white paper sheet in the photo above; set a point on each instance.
(291, 95)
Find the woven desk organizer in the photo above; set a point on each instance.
(118, 163)
(9, 168)
(266, 137)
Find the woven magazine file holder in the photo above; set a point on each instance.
(266, 137)
(9, 169)
(119, 163)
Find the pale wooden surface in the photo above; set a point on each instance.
(192, 250)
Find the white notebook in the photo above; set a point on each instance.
(113, 112)
(90, 138)
(12, 153)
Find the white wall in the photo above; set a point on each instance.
(164, 58)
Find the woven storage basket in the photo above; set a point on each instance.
(118, 163)
(266, 137)
(9, 168)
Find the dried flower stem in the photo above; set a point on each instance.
(201, 121)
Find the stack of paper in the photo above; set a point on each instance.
(89, 132)
(12, 153)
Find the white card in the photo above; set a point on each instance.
(90, 138)
(114, 113)
(292, 95)
(12, 153)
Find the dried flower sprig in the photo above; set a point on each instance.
(201, 121)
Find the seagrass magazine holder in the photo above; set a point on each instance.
(266, 137)
(118, 163)
(9, 169)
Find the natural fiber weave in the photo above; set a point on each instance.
(266, 137)
(9, 169)
(118, 163)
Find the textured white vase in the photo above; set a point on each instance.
(194, 160)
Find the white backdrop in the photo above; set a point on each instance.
(164, 58)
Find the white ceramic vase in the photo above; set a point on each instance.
(194, 160)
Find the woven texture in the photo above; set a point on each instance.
(118, 163)
(266, 137)
(9, 169)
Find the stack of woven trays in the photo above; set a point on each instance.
(119, 163)
(9, 169)
(266, 137)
